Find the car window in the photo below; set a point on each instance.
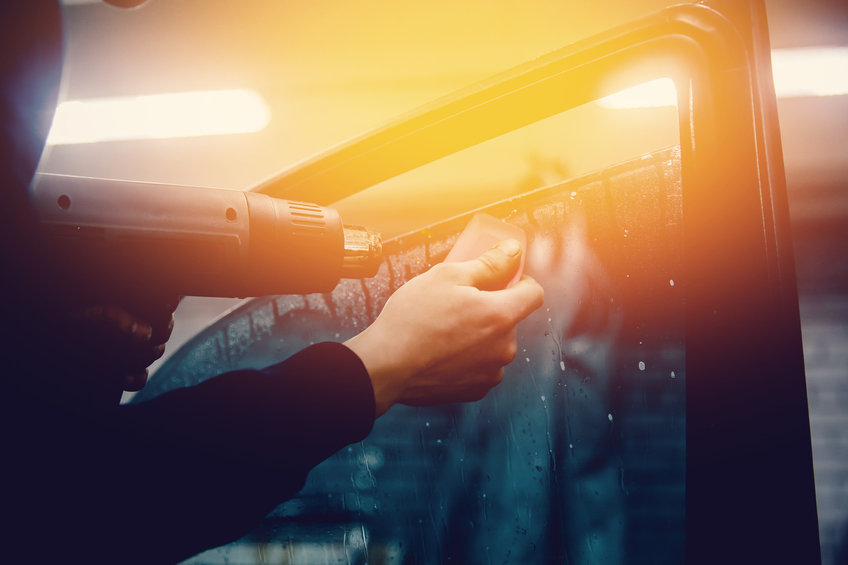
(579, 455)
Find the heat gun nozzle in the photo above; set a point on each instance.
(363, 252)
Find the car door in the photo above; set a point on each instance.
(656, 411)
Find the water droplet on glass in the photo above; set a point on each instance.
(609, 416)
(562, 365)
(641, 365)
(673, 376)
(671, 282)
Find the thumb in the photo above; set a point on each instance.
(495, 268)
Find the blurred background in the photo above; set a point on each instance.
(288, 79)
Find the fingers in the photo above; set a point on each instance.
(522, 298)
(136, 382)
(451, 331)
(495, 268)
(112, 341)
(113, 319)
(154, 328)
(155, 311)
(133, 365)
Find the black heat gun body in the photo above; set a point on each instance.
(194, 241)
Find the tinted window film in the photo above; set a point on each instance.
(578, 456)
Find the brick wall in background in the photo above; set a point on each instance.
(826, 357)
(822, 266)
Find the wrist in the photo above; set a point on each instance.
(387, 376)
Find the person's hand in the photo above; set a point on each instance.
(446, 335)
(118, 342)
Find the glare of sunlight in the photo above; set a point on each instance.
(802, 72)
(810, 71)
(651, 94)
(158, 116)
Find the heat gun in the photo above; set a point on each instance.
(196, 241)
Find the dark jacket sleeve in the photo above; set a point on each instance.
(212, 460)
(192, 469)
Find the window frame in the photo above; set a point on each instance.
(749, 474)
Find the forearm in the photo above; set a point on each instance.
(309, 405)
(208, 462)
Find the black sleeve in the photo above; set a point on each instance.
(219, 456)
(194, 468)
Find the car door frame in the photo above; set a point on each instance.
(750, 494)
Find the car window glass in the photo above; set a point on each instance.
(578, 456)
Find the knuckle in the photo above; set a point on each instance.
(487, 261)
(540, 295)
(499, 376)
(442, 268)
(118, 319)
(503, 319)
(158, 352)
(509, 352)
(438, 268)
(439, 271)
